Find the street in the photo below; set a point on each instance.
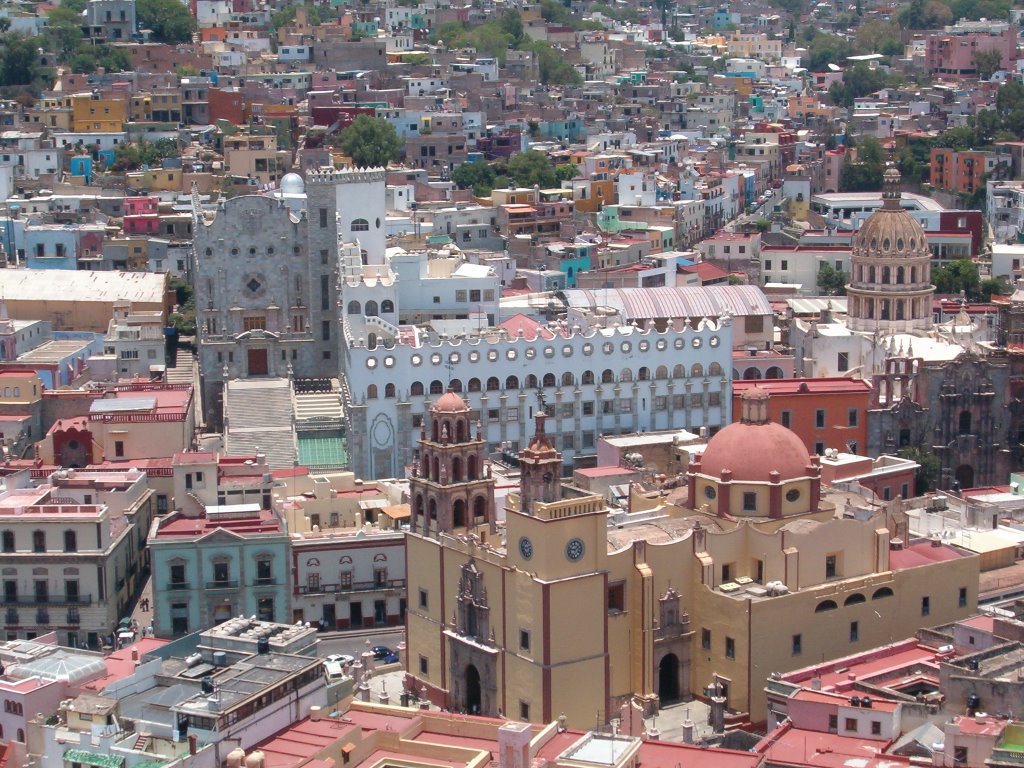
(355, 643)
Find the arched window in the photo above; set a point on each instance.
(854, 599)
(531, 381)
(900, 274)
(389, 390)
(774, 373)
(752, 373)
(371, 392)
(70, 541)
(715, 369)
(416, 390)
(8, 541)
(567, 379)
(965, 423)
(371, 309)
(471, 467)
(587, 377)
(678, 372)
(661, 372)
(549, 379)
(456, 385)
(512, 382)
(886, 275)
(354, 308)
(826, 605)
(436, 387)
(473, 385)
(359, 225)
(644, 374)
(493, 385)
(881, 592)
(607, 376)
(456, 470)
(387, 307)
(626, 375)
(696, 370)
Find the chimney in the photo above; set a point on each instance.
(514, 745)
(135, 655)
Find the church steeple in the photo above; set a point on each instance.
(541, 469)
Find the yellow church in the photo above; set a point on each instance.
(561, 611)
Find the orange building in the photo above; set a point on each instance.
(962, 172)
(824, 413)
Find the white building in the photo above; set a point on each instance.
(136, 342)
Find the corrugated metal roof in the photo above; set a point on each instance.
(692, 301)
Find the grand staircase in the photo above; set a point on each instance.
(319, 425)
(258, 417)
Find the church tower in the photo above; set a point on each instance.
(451, 488)
(890, 288)
(540, 469)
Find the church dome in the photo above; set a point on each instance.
(890, 231)
(292, 184)
(449, 402)
(755, 447)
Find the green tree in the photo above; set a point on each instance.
(925, 14)
(532, 168)
(824, 49)
(987, 63)
(865, 174)
(183, 318)
(511, 24)
(831, 281)
(957, 276)
(64, 31)
(859, 80)
(371, 142)
(566, 171)
(478, 176)
(927, 470)
(554, 68)
(994, 286)
(18, 60)
(169, 20)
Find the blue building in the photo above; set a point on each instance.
(223, 553)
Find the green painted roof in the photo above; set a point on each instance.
(322, 451)
(91, 758)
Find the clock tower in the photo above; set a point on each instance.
(541, 469)
(451, 488)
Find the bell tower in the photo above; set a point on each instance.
(540, 469)
(451, 488)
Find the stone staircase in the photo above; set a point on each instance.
(182, 372)
(318, 408)
(258, 418)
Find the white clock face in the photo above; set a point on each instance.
(574, 549)
(526, 548)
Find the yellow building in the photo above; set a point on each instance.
(91, 114)
(562, 612)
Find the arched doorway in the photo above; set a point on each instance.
(965, 476)
(459, 514)
(472, 689)
(668, 679)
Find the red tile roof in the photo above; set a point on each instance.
(922, 553)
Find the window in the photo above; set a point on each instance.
(850, 724)
(798, 646)
(833, 723)
(617, 597)
(38, 541)
(854, 632)
(787, 419)
(705, 639)
(8, 541)
(524, 639)
(524, 711)
(264, 571)
(830, 566)
(325, 330)
(423, 665)
(876, 727)
(423, 599)
(220, 572)
(926, 605)
(962, 599)
(323, 218)
(852, 417)
(119, 448)
(727, 572)
(178, 574)
(843, 363)
(730, 648)
(819, 418)
(749, 501)
(70, 541)
(360, 225)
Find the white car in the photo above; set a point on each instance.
(340, 658)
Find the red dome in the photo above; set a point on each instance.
(753, 451)
(449, 402)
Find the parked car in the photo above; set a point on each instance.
(340, 658)
(384, 654)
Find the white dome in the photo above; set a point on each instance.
(292, 184)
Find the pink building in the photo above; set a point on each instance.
(953, 51)
(142, 215)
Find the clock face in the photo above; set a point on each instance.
(574, 549)
(526, 548)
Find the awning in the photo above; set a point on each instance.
(398, 512)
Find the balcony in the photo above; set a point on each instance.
(177, 586)
(46, 600)
(222, 585)
(355, 586)
(267, 581)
